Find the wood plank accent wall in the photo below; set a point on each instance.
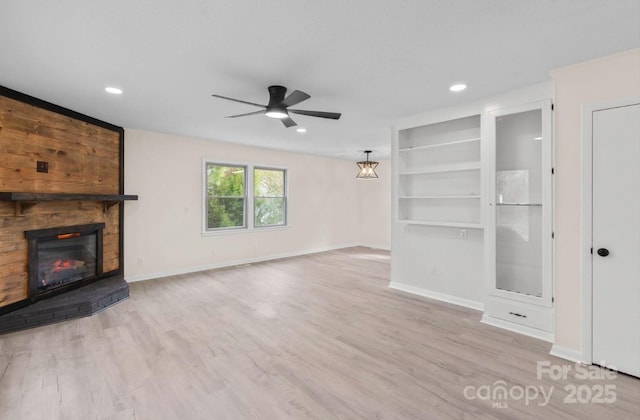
(84, 156)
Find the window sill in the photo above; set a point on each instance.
(243, 230)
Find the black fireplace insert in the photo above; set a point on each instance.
(63, 258)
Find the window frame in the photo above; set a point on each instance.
(205, 192)
(249, 218)
(284, 196)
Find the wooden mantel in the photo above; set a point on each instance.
(25, 200)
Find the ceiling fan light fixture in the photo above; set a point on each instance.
(367, 168)
(279, 113)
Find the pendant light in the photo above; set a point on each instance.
(367, 168)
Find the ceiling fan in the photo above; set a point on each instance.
(278, 106)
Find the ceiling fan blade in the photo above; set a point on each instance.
(238, 100)
(288, 122)
(331, 115)
(244, 115)
(295, 97)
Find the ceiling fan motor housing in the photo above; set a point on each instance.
(275, 106)
(276, 95)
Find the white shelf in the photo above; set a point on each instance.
(431, 146)
(435, 197)
(469, 225)
(457, 167)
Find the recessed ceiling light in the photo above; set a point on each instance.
(301, 130)
(537, 138)
(458, 87)
(114, 90)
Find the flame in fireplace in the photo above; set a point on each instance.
(59, 266)
(66, 264)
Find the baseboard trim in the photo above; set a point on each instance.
(472, 304)
(377, 246)
(567, 354)
(195, 269)
(517, 328)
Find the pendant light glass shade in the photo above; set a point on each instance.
(367, 168)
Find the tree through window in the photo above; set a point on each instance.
(226, 196)
(270, 199)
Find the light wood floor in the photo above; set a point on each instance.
(313, 337)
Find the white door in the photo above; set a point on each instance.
(616, 238)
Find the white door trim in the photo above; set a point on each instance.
(586, 218)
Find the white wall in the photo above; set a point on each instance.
(608, 78)
(375, 208)
(163, 230)
(436, 262)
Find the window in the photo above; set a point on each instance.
(270, 200)
(226, 201)
(231, 203)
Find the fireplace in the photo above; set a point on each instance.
(64, 258)
(78, 179)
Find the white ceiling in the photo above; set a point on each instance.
(372, 60)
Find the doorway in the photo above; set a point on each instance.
(611, 235)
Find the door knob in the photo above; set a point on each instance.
(603, 252)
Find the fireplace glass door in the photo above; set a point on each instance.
(65, 260)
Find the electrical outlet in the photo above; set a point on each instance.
(42, 166)
(464, 234)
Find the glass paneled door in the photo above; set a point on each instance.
(521, 202)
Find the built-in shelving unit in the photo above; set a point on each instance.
(471, 193)
(439, 173)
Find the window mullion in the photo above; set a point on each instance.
(249, 191)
